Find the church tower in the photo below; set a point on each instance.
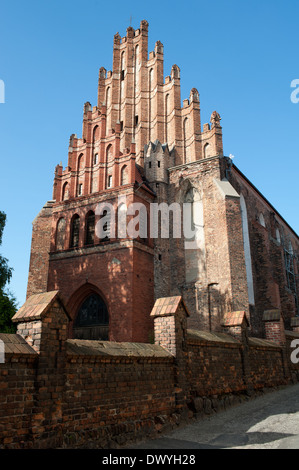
(130, 141)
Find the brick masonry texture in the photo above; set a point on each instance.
(140, 143)
(82, 393)
(220, 313)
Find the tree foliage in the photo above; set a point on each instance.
(8, 305)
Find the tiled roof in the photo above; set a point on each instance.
(167, 306)
(234, 318)
(15, 344)
(35, 306)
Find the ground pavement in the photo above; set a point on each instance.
(270, 421)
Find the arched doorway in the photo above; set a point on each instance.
(92, 320)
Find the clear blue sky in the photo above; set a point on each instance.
(240, 55)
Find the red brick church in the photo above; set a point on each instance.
(142, 144)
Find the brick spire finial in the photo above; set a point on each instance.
(170, 320)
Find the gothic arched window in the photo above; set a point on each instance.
(75, 226)
(95, 133)
(65, 191)
(278, 237)
(124, 175)
(207, 151)
(92, 321)
(108, 110)
(185, 137)
(109, 166)
(166, 116)
(194, 234)
(289, 267)
(247, 250)
(189, 199)
(262, 220)
(80, 162)
(90, 226)
(60, 234)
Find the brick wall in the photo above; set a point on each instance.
(219, 284)
(17, 391)
(214, 364)
(267, 364)
(116, 398)
(72, 393)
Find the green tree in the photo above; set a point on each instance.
(8, 304)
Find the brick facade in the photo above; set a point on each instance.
(121, 336)
(274, 253)
(140, 145)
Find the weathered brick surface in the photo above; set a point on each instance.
(39, 257)
(214, 365)
(17, 399)
(77, 398)
(84, 393)
(271, 287)
(107, 397)
(140, 143)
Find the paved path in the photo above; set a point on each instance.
(270, 421)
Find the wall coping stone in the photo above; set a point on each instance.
(113, 349)
(272, 315)
(16, 344)
(207, 336)
(263, 343)
(292, 334)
